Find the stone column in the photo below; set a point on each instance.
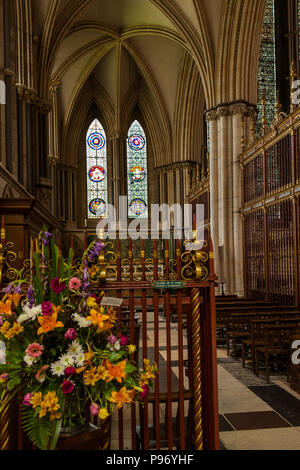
(211, 117)
(119, 168)
(228, 130)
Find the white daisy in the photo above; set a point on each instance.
(75, 349)
(57, 369)
(23, 317)
(79, 360)
(82, 322)
(66, 360)
(29, 360)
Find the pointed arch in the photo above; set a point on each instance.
(96, 162)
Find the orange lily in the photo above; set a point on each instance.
(116, 371)
(15, 298)
(98, 319)
(5, 307)
(123, 396)
(49, 323)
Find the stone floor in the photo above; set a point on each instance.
(253, 414)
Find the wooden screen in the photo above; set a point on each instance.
(255, 254)
(281, 252)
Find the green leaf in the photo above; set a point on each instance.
(11, 384)
(116, 355)
(129, 369)
(55, 435)
(9, 367)
(38, 430)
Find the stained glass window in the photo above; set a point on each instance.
(96, 154)
(267, 67)
(137, 172)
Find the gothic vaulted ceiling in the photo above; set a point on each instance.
(122, 43)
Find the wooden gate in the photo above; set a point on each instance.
(169, 309)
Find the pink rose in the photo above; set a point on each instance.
(47, 309)
(67, 387)
(74, 283)
(34, 350)
(70, 371)
(27, 398)
(145, 392)
(57, 286)
(94, 408)
(71, 334)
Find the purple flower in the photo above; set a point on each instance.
(95, 250)
(1, 321)
(112, 339)
(45, 238)
(86, 277)
(30, 296)
(8, 289)
(71, 334)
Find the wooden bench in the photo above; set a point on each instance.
(276, 347)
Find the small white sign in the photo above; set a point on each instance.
(112, 301)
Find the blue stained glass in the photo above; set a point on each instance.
(96, 157)
(137, 172)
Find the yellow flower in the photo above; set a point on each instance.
(88, 357)
(5, 327)
(103, 413)
(43, 411)
(98, 318)
(131, 348)
(102, 373)
(17, 328)
(91, 302)
(91, 377)
(54, 416)
(36, 399)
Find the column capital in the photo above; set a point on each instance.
(231, 108)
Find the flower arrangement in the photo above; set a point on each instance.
(63, 348)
